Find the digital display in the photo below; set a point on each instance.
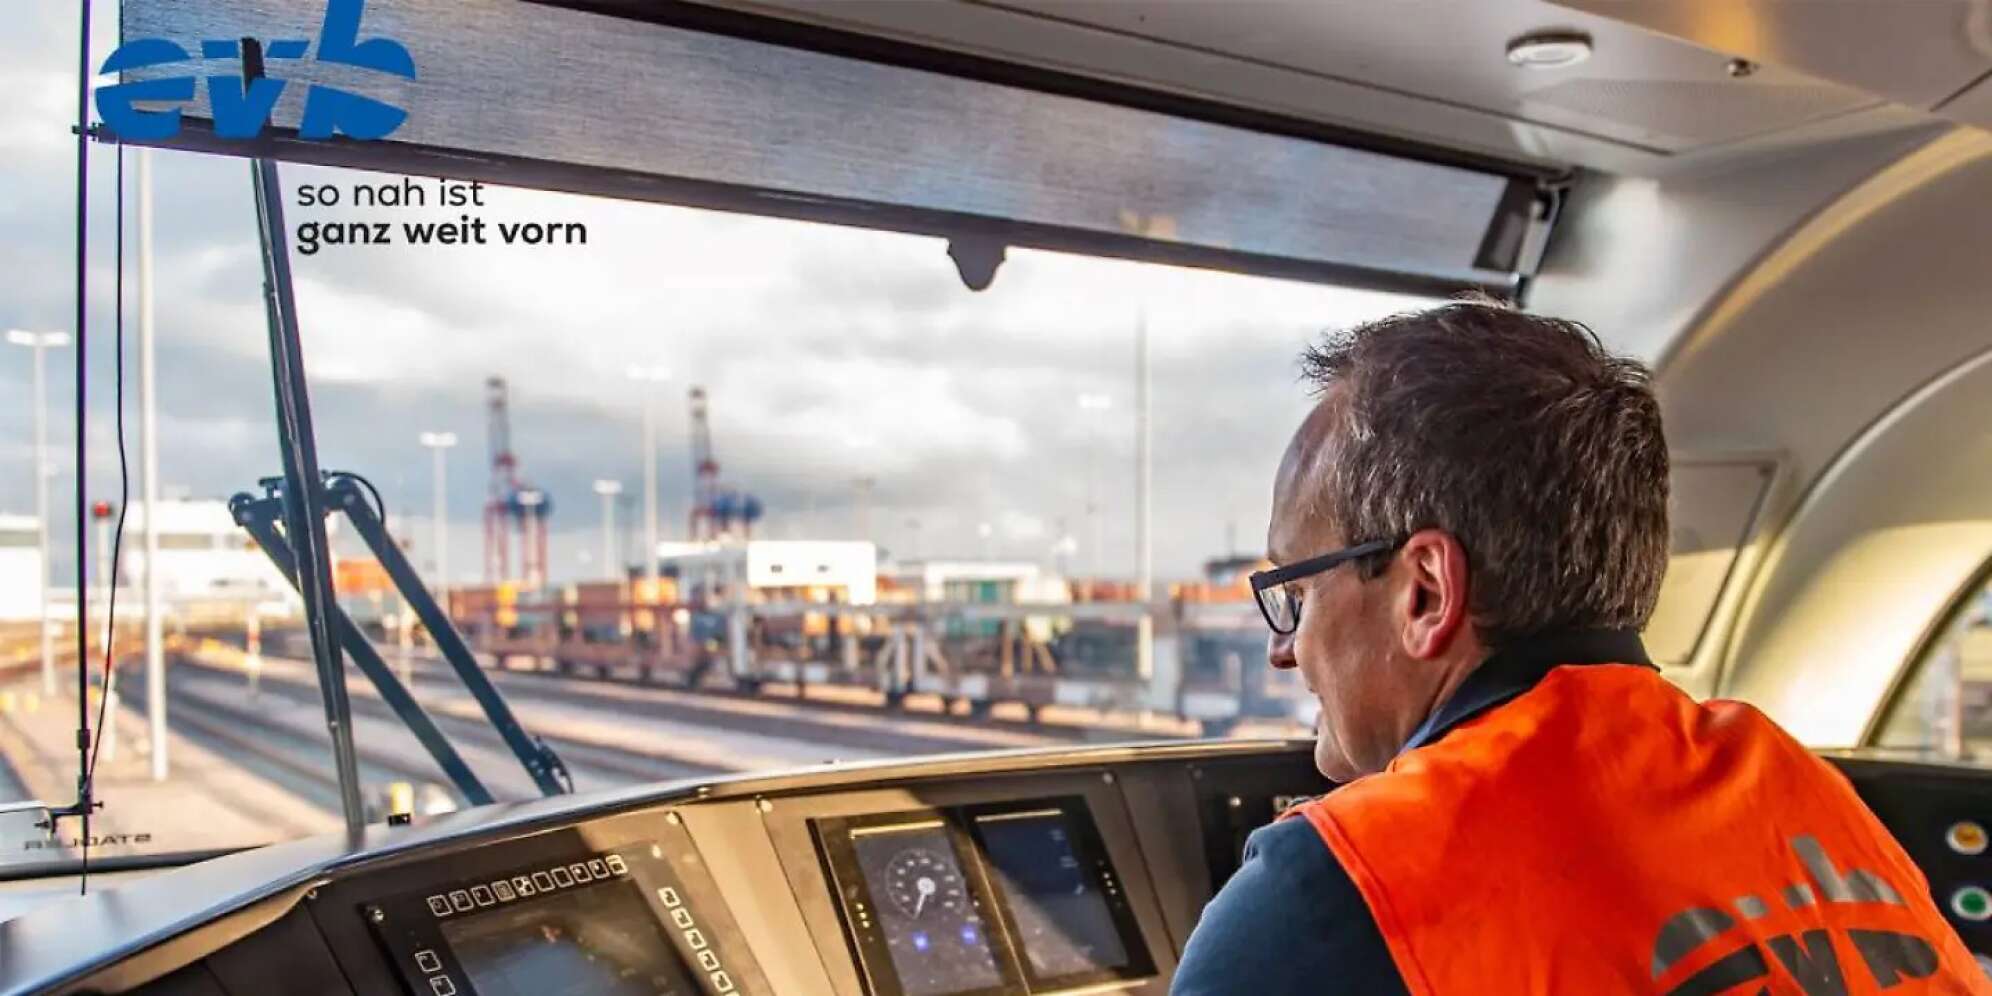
(1062, 919)
(932, 926)
(983, 899)
(603, 940)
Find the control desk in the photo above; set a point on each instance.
(986, 875)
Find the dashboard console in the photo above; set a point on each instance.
(622, 908)
(990, 875)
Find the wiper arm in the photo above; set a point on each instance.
(301, 499)
(341, 493)
(259, 517)
(533, 753)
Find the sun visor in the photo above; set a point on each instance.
(546, 96)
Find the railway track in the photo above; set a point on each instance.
(609, 733)
(833, 733)
(830, 723)
(280, 753)
(1038, 730)
(1053, 727)
(593, 765)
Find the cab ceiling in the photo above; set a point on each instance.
(1436, 71)
(1931, 55)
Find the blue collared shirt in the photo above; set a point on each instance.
(1291, 920)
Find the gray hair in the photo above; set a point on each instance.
(1520, 435)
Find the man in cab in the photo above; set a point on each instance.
(1469, 531)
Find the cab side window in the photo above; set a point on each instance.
(1944, 708)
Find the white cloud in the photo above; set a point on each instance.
(808, 337)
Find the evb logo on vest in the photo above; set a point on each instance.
(242, 107)
(1889, 957)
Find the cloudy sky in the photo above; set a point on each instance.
(829, 354)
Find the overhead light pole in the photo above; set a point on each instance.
(1144, 463)
(647, 379)
(101, 512)
(105, 588)
(1144, 510)
(438, 444)
(861, 447)
(40, 342)
(148, 489)
(1093, 404)
(865, 485)
(609, 490)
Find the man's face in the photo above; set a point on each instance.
(1345, 647)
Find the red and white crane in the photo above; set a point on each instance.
(717, 512)
(512, 507)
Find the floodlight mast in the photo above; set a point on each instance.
(40, 342)
(438, 443)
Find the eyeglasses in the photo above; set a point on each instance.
(1279, 598)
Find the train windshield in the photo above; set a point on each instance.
(860, 413)
(702, 492)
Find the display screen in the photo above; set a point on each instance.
(1062, 919)
(600, 941)
(932, 926)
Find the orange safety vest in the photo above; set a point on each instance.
(1604, 833)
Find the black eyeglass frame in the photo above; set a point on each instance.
(1278, 576)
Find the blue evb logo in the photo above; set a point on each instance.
(242, 108)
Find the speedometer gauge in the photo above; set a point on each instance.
(920, 882)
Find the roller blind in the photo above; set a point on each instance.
(541, 95)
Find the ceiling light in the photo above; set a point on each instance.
(1550, 49)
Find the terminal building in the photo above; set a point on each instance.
(204, 558)
(20, 568)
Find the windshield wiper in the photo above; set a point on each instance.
(342, 492)
(301, 499)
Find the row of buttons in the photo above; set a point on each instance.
(1966, 837)
(431, 965)
(526, 885)
(1107, 879)
(681, 917)
(439, 985)
(1972, 902)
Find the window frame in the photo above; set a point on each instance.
(1939, 626)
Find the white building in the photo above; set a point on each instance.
(203, 556)
(983, 581)
(779, 568)
(20, 568)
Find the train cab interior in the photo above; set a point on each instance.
(1784, 208)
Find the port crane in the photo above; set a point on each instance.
(513, 507)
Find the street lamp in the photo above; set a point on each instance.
(865, 486)
(1095, 403)
(101, 512)
(438, 442)
(40, 342)
(649, 376)
(1062, 552)
(861, 446)
(609, 490)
